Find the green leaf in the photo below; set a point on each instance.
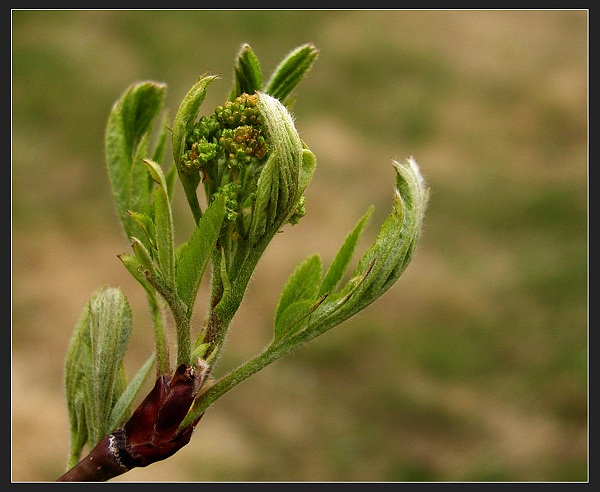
(292, 319)
(278, 186)
(334, 308)
(106, 341)
(75, 371)
(79, 435)
(132, 263)
(199, 350)
(182, 126)
(302, 285)
(390, 254)
(163, 223)
(94, 372)
(247, 75)
(194, 256)
(307, 170)
(291, 71)
(134, 266)
(120, 385)
(147, 225)
(130, 121)
(266, 198)
(143, 257)
(121, 409)
(396, 243)
(338, 266)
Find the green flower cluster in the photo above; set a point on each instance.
(228, 150)
(201, 146)
(232, 135)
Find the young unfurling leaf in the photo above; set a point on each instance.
(94, 374)
(290, 72)
(126, 144)
(247, 75)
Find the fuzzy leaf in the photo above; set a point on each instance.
(397, 241)
(278, 187)
(75, 371)
(266, 193)
(143, 257)
(130, 121)
(141, 183)
(247, 75)
(291, 71)
(79, 434)
(388, 257)
(288, 149)
(107, 339)
(194, 256)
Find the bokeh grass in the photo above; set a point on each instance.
(474, 367)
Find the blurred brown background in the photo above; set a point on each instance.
(473, 367)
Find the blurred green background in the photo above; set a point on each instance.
(473, 367)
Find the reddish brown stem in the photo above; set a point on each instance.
(151, 434)
(102, 464)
